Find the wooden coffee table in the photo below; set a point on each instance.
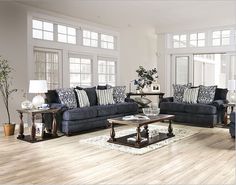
(140, 138)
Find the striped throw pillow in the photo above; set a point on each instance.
(191, 95)
(82, 98)
(105, 97)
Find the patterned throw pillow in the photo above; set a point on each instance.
(206, 94)
(191, 95)
(82, 98)
(119, 94)
(179, 92)
(67, 97)
(105, 97)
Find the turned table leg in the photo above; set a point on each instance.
(112, 133)
(138, 137)
(146, 130)
(54, 125)
(21, 129)
(170, 130)
(33, 128)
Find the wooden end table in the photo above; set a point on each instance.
(226, 106)
(138, 143)
(31, 138)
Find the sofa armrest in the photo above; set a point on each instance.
(219, 104)
(129, 99)
(232, 117)
(58, 106)
(167, 99)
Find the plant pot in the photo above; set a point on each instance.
(9, 129)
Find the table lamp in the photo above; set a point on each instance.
(38, 87)
(232, 88)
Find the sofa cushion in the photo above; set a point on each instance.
(220, 94)
(106, 110)
(200, 108)
(67, 97)
(179, 92)
(129, 107)
(105, 97)
(91, 93)
(52, 97)
(172, 107)
(206, 94)
(83, 100)
(80, 113)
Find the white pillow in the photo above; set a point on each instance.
(82, 98)
(105, 97)
(190, 95)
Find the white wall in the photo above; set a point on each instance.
(137, 48)
(13, 47)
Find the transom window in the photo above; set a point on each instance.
(90, 38)
(197, 40)
(47, 67)
(66, 34)
(107, 41)
(80, 71)
(221, 38)
(106, 72)
(42, 30)
(179, 41)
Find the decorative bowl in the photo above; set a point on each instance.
(151, 111)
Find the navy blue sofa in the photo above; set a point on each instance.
(197, 114)
(71, 121)
(232, 124)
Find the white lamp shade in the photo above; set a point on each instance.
(232, 85)
(38, 86)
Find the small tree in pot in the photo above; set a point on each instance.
(6, 91)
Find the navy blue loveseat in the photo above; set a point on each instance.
(197, 114)
(78, 119)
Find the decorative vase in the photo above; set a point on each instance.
(9, 129)
(145, 89)
(26, 104)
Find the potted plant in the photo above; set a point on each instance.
(6, 91)
(146, 78)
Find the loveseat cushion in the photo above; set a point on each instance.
(80, 113)
(200, 109)
(172, 107)
(129, 107)
(106, 110)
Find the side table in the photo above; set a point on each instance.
(226, 106)
(32, 112)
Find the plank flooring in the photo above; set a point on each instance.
(207, 157)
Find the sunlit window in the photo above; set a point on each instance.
(107, 41)
(106, 72)
(66, 34)
(197, 40)
(221, 38)
(90, 38)
(180, 41)
(42, 30)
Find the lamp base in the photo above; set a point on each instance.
(38, 101)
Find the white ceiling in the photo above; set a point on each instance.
(165, 15)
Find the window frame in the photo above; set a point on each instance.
(67, 35)
(80, 56)
(90, 38)
(42, 29)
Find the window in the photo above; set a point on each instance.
(42, 30)
(80, 71)
(221, 38)
(197, 40)
(47, 67)
(179, 41)
(107, 41)
(106, 72)
(90, 38)
(66, 34)
(181, 70)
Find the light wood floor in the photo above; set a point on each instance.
(205, 158)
